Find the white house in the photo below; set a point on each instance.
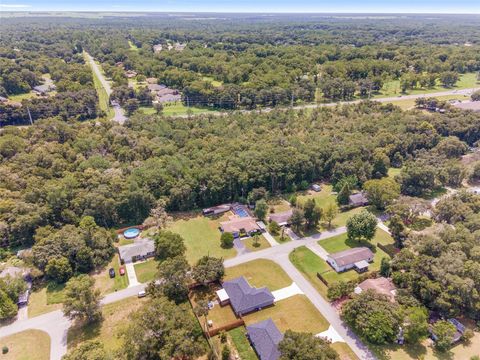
(351, 258)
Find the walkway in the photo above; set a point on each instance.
(287, 292)
(318, 250)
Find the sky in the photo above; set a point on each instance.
(269, 6)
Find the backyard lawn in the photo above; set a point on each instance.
(242, 344)
(48, 298)
(260, 273)
(262, 243)
(146, 270)
(107, 284)
(296, 313)
(202, 237)
(115, 317)
(26, 345)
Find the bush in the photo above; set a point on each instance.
(223, 337)
(226, 353)
(476, 96)
(226, 240)
(4, 350)
(274, 228)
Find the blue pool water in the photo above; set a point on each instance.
(241, 212)
(131, 233)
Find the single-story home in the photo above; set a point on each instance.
(468, 105)
(43, 89)
(244, 298)
(140, 249)
(169, 98)
(316, 188)
(265, 337)
(215, 210)
(380, 285)
(281, 218)
(459, 327)
(155, 87)
(13, 271)
(240, 226)
(358, 199)
(130, 74)
(357, 258)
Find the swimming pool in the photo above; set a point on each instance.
(241, 212)
(131, 233)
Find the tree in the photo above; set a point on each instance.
(297, 219)
(261, 209)
(81, 299)
(208, 269)
(177, 332)
(343, 196)
(131, 106)
(385, 267)
(339, 289)
(475, 174)
(226, 240)
(168, 245)
(305, 346)
(226, 353)
(444, 331)
(88, 350)
(158, 108)
(416, 179)
(330, 213)
(475, 96)
(173, 274)
(158, 216)
(415, 326)
(382, 192)
(374, 316)
(58, 269)
(397, 230)
(273, 227)
(8, 308)
(312, 213)
(362, 226)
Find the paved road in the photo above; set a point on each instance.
(119, 113)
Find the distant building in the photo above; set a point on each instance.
(281, 218)
(43, 89)
(151, 80)
(216, 210)
(3, 99)
(140, 249)
(244, 298)
(357, 258)
(265, 337)
(130, 74)
(358, 199)
(380, 285)
(316, 187)
(157, 48)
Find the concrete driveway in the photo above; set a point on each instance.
(286, 292)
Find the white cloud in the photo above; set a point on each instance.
(14, 6)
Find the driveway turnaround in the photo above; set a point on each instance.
(286, 292)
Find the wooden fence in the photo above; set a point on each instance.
(227, 327)
(322, 279)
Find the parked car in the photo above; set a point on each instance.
(111, 272)
(142, 294)
(121, 271)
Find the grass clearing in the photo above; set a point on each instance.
(146, 270)
(20, 97)
(407, 104)
(344, 351)
(26, 345)
(174, 109)
(103, 99)
(106, 331)
(308, 263)
(262, 243)
(202, 237)
(133, 47)
(105, 284)
(296, 313)
(242, 344)
(48, 298)
(278, 204)
(260, 273)
(211, 80)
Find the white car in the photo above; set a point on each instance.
(142, 294)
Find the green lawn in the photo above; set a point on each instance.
(262, 243)
(407, 104)
(146, 271)
(26, 345)
(296, 313)
(132, 46)
(392, 172)
(20, 97)
(176, 108)
(103, 100)
(242, 344)
(260, 273)
(345, 352)
(105, 283)
(202, 237)
(45, 299)
(211, 80)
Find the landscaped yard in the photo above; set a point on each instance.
(146, 270)
(115, 317)
(296, 313)
(26, 345)
(262, 243)
(107, 284)
(20, 97)
(242, 344)
(48, 298)
(202, 237)
(308, 263)
(260, 273)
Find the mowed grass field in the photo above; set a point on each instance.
(260, 273)
(26, 345)
(104, 283)
(146, 270)
(202, 237)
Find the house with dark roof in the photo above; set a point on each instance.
(265, 337)
(358, 199)
(244, 298)
(43, 89)
(140, 249)
(352, 258)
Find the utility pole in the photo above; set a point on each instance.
(29, 116)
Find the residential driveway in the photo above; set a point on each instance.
(331, 335)
(22, 313)
(318, 250)
(132, 276)
(287, 292)
(271, 240)
(239, 246)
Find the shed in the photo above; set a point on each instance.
(358, 199)
(361, 266)
(223, 298)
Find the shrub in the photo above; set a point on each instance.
(274, 228)
(4, 350)
(226, 240)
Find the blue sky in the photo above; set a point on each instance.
(352, 6)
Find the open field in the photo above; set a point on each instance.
(146, 270)
(103, 100)
(262, 243)
(107, 284)
(296, 313)
(278, 204)
(242, 344)
(202, 237)
(114, 319)
(26, 345)
(260, 273)
(48, 298)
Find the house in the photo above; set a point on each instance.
(151, 80)
(13, 271)
(240, 226)
(155, 87)
(380, 285)
(459, 327)
(244, 298)
(469, 105)
(180, 46)
(316, 188)
(157, 48)
(215, 210)
(140, 249)
(358, 258)
(265, 337)
(358, 199)
(281, 218)
(130, 74)
(169, 98)
(43, 89)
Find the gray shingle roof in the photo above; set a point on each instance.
(245, 298)
(138, 248)
(351, 256)
(265, 338)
